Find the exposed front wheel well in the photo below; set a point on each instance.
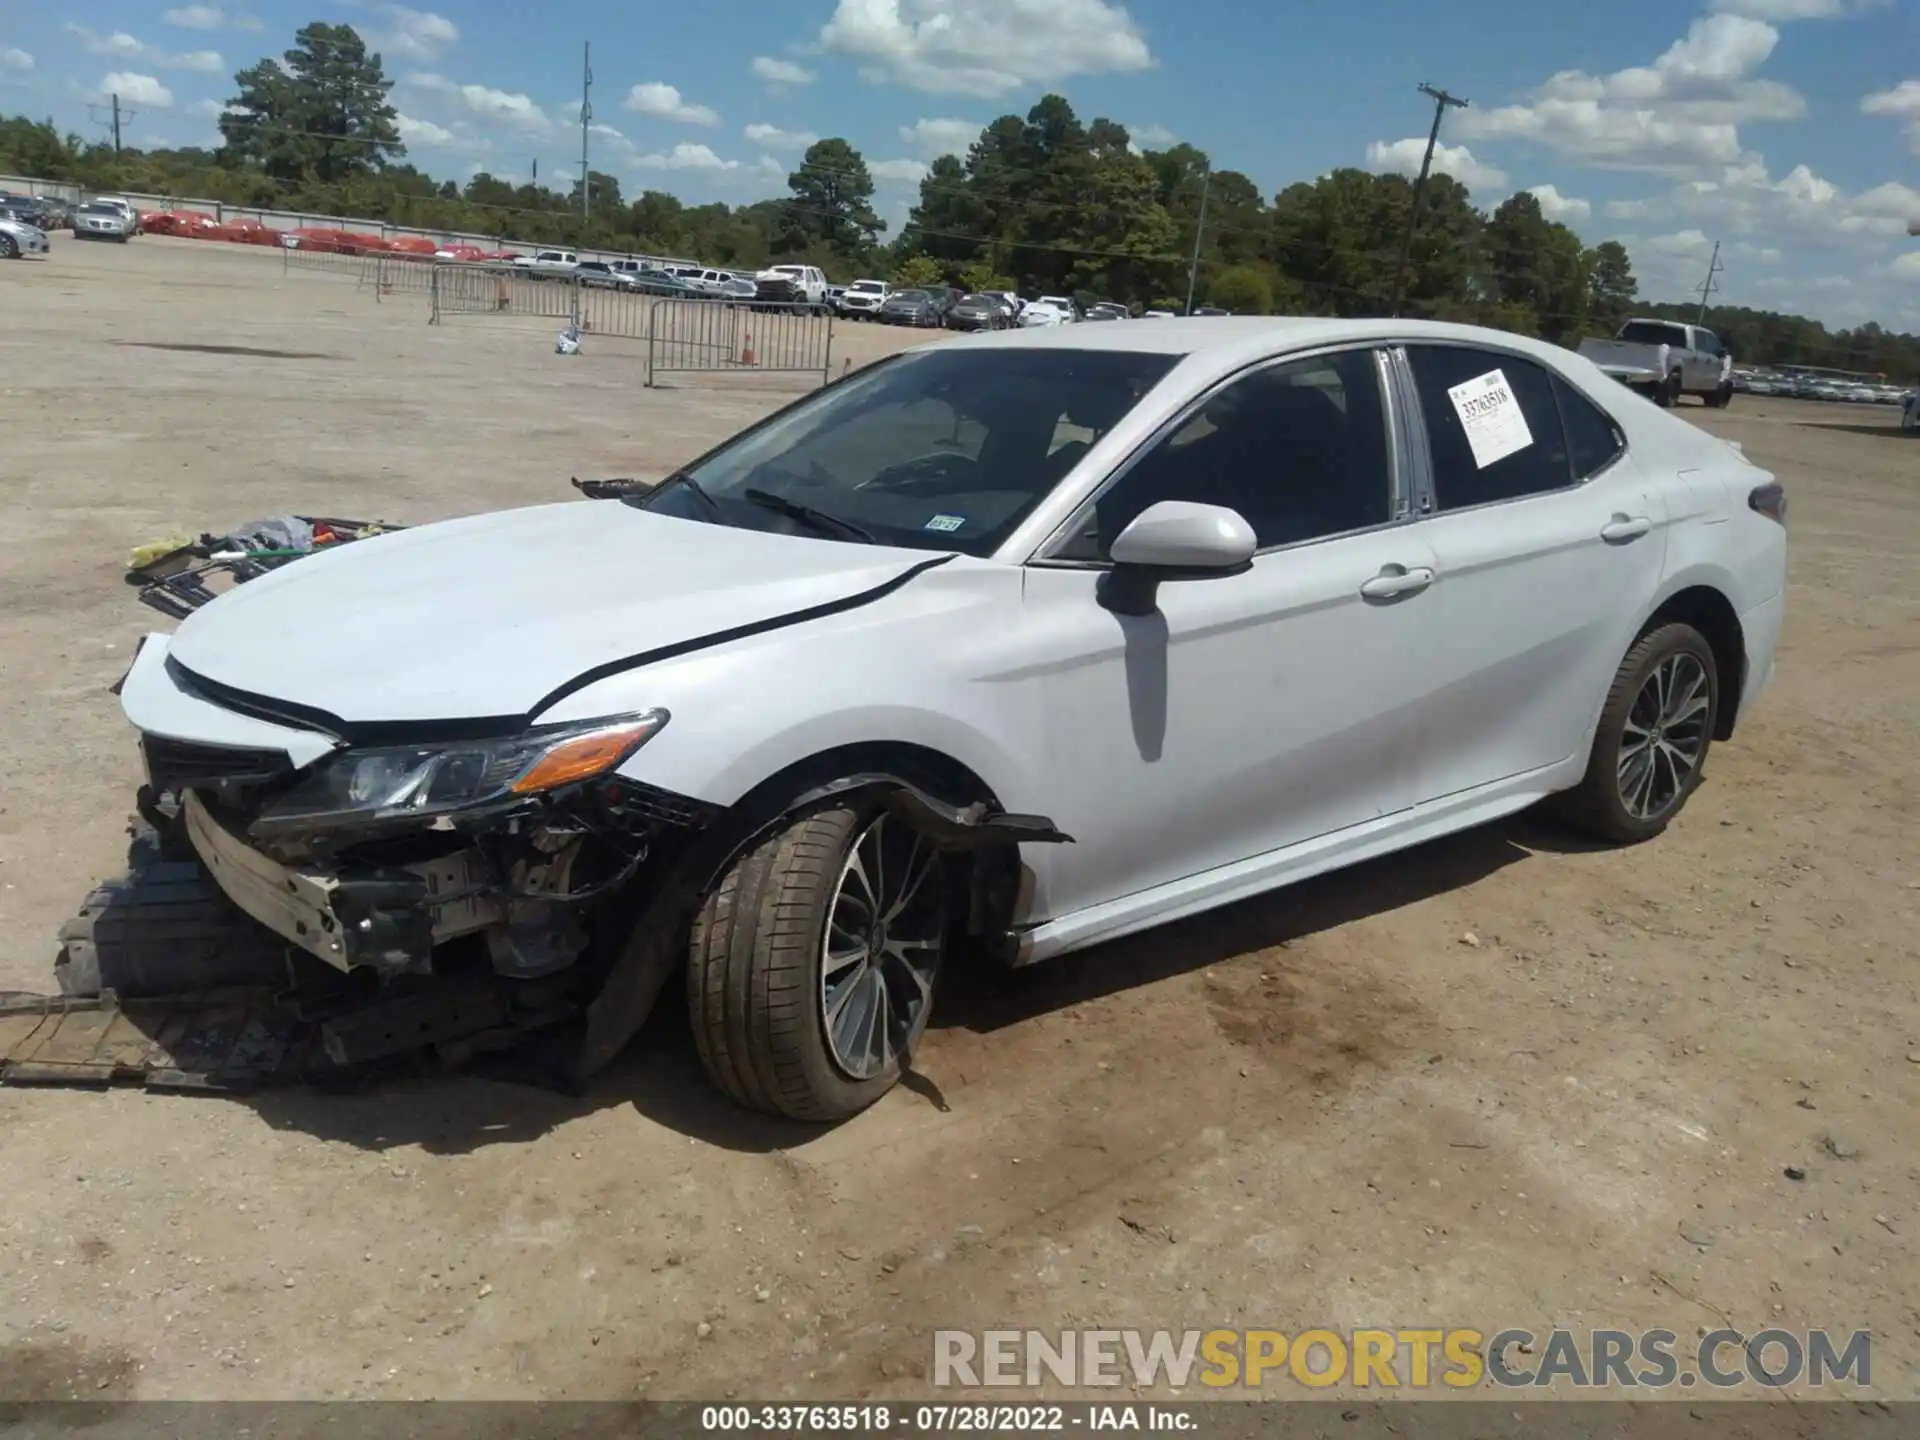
(1713, 615)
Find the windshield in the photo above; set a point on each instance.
(945, 449)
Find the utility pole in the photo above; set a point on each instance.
(536, 170)
(1200, 229)
(116, 125)
(586, 117)
(1707, 287)
(1442, 102)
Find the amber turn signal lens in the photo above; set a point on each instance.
(584, 757)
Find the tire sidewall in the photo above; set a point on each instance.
(1648, 653)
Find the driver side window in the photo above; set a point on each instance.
(1298, 449)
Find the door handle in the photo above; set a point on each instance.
(1393, 581)
(1623, 528)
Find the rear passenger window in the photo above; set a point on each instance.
(1592, 441)
(1493, 428)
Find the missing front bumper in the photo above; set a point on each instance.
(388, 918)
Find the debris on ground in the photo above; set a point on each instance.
(178, 575)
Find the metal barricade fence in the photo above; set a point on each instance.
(308, 257)
(714, 336)
(460, 288)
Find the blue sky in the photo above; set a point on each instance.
(1787, 129)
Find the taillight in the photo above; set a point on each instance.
(1769, 500)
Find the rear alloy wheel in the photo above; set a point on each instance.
(9, 250)
(812, 964)
(1650, 749)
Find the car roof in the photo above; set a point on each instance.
(1247, 337)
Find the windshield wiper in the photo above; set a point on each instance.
(685, 482)
(819, 520)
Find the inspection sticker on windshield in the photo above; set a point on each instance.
(1491, 416)
(945, 522)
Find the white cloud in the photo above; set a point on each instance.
(664, 102)
(1902, 103)
(781, 72)
(934, 138)
(1906, 267)
(984, 47)
(211, 109)
(686, 157)
(1760, 254)
(11, 59)
(1564, 208)
(1151, 136)
(516, 109)
(774, 138)
(413, 34)
(1680, 115)
(768, 165)
(196, 17)
(1681, 245)
(423, 132)
(122, 46)
(1403, 157)
(136, 89)
(896, 172)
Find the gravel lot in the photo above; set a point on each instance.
(1503, 1080)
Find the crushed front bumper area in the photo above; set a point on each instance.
(388, 918)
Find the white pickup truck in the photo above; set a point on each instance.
(1664, 359)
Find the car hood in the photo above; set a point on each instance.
(491, 617)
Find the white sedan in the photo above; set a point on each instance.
(1001, 647)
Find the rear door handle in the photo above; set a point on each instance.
(1394, 581)
(1623, 528)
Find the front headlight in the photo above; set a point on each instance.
(420, 782)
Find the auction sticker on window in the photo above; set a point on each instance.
(1491, 416)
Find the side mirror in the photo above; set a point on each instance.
(1173, 540)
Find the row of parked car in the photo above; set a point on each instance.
(1816, 387)
(949, 307)
(27, 220)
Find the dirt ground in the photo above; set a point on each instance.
(1502, 1080)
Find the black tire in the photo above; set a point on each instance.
(1597, 805)
(1723, 397)
(755, 987)
(1668, 394)
(9, 249)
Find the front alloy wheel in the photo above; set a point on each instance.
(1650, 747)
(812, 964)
(886, 928)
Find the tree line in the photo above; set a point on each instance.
(1040, 202)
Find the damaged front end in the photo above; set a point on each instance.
(378, 857)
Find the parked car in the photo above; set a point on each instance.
(18, 239)
(1211, 310)
(863, 298)
(599, 275)
(124, 206)
(792, 285)
(29, 210)
(979, 312)
(1065, 304)
(547, 264)
(921, 308)
(1012, 301)
(738, 288)
(1560, 593)
(1043, 312)
(1108, 310)
(664, 285)
(95, 221)
(1158, 315)
(1664, 359)
(834, 294)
